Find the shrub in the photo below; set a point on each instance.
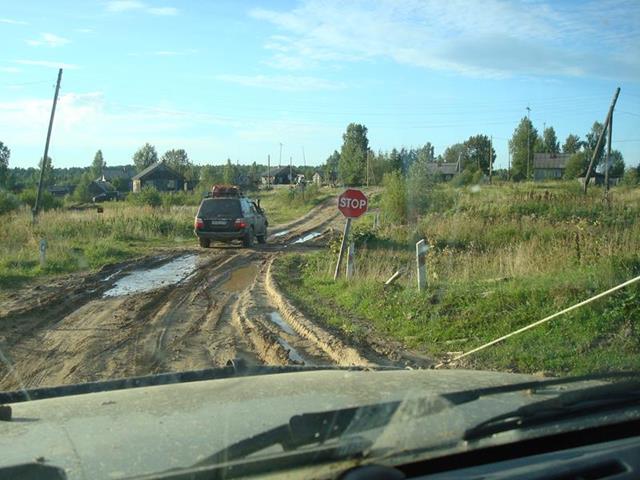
(394, 198)
(47, 201)
(147, 196)
(8, 202)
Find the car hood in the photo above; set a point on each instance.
(143, 430)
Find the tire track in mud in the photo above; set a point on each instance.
(223, 310)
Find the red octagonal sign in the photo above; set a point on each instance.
(352, 203)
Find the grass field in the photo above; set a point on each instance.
(85, 240)
(500, 257)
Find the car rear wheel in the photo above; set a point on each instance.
(247, 240)
(262, 238)
(204, 242)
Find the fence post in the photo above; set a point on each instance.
(351, 260)
(421, 263)
(43, 252)
(343, 247)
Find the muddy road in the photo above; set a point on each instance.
(182, 310)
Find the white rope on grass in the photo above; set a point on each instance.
(539, 322)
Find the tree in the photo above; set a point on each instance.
(98, 165)
(455, 152)
(209, 176)
(576, 165)
(178, 160)
(426, 153)
(353, 154)
(616, 164)
(478, 152)
(5, 153)
(229, 174)
(572, 144)
(331, 167)
(395, 161)
(419, 182)
(550, 142)
(145, 156)
(591, 142)
(521, 146)
(47, 176)
(81, 193)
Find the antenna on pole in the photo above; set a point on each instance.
(45, 158)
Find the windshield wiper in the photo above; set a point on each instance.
(564, 406)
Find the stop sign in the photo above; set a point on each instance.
(352, 203)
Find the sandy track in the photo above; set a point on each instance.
(224, 308)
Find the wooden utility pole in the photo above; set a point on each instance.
(490, 158)
(528, 139)
(607, 124)
(280, 158)
(268, 172)
(290, 170)
(45, 158)
(608, 166)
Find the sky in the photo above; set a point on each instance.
(229, 79)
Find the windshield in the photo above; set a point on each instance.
(439, 191)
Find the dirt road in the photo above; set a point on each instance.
(182, 310)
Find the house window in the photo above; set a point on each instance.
(171, 184)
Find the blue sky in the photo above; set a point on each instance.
(234, 79)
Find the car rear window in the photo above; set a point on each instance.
(220, 207)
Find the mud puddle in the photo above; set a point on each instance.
(276, 318)
(307, 237)
(294, 356)
(281, 234)
(240, 279)
(140, 281)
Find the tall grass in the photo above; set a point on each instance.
(499, 258)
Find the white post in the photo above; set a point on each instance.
(351, 260)
(43, 252)
(421, 263)
(343, 246)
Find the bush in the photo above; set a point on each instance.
(8, 202)
(147, 196)
(462, 179)
(394, 199)
(47, 201)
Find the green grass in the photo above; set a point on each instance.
(493, 270)
(283, 205)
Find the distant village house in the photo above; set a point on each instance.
(549, 166)
(159, 176)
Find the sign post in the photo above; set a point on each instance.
(421, 263)
(43, 252)
(351, 260)
(352, 203)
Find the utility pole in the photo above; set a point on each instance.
(608, 166)
(290, 170)
(528, 139)
(46, 147)
(490, 158)
(607, 124)
(268, 172)
(367, 175)
(304, 159)
(509, 161)
(280, 159)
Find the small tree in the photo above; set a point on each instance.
(572, 144)
(145, 156)
(353, 154)
(81, 193)
(178, 160)
(394, 198)
(230, 173)
(522, 146)
(5, 153)
(576, 165)
(98, 165)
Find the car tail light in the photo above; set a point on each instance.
(240, 223)
(198, 224)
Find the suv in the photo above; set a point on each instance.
(227, 215)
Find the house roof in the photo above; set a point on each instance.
(104, 186)
(111, 173)
(280, 172)
(154, 167)
(444, 168)
(550, 160)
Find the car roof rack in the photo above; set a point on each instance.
(218, 191)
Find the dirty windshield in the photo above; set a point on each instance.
(446, 186)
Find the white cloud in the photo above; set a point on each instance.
(12, 22)
(489, 38)
(84, 30)
(118, 6)
(281, 82)
(162, 11)
(48, 64)
(10, 69)
(49, 39)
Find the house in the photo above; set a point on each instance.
(101, 187)
(317, 179)
(121, 177)
(444, 170)
(159, 176)
(547, 166)
(60, 190)
(597, 178)
(280, 176)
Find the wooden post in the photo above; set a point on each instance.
(608, 164)
(595, 151)
(351, 260)
(343, 246)
(421, 263)
(43, 253)
(393, 278)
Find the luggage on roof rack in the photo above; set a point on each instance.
(226, 191)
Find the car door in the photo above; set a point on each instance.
(258, 219)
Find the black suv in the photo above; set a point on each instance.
(230, 217)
